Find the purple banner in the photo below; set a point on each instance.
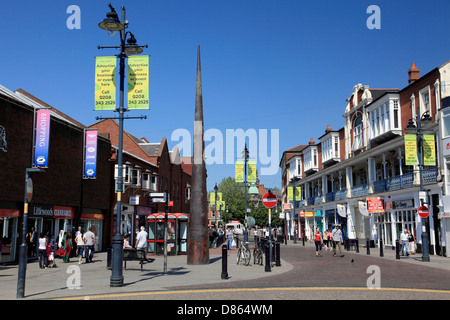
(42, 138)
(90, 154)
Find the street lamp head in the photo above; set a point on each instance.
(111, 22)
(411, 126)
(132, 48)
(426, 117)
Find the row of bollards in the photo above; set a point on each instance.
(265, 244)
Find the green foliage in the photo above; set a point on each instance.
(234, 196)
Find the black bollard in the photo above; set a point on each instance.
(397, 249)
(267, 266)
(224, 274)
(303, 240)
(357, 245)
(277, 250)
(368, 246)
(381, 248)
(273, 251)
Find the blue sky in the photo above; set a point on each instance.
(286, 65)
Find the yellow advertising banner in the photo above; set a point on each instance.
(239, 171)
(298, 192)
(410, 149)
(212, 197)
(429, 150)
(105, 83)
(138, 78)
(251, 171)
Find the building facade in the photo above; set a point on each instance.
(357, 176)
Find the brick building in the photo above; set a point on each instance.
(61, 198)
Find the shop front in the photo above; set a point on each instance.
(94, 219)
(9, 221)
(50, 219)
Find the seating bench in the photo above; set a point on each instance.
(135, 254)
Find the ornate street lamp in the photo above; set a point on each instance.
(112, 23)
(415, 126)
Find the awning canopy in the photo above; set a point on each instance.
(161, 215)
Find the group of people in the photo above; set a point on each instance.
(141, 240)
(331, 240)
(63, 246)
(408, 243)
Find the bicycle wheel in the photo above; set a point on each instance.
(238, 258)
(246, 257)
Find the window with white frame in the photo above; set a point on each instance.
(310, 158)
(135, 177)
(425, 100)
(357, 134)
(446, 123)
(146, 181)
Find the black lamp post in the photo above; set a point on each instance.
(215, 205)
(411, 127)
(23, 247)
(246, 156)
(112, 23)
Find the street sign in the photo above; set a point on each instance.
(157, 194)
(269, 200)
(423, 211)
(158, 200)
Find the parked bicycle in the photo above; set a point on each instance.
(258, 254)
(243, 254)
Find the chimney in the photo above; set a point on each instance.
(413, 74)
(328, 129)
(311, 142)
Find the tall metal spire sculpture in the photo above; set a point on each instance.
(198, 248)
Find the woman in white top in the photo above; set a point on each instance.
(43, 260)
(80, 245)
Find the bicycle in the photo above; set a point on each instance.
(258, 254)
(244, 254)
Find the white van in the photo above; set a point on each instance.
(236, 227)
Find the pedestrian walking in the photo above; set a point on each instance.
(42, 242)
(141, 239)
(404, 242)
(318, 241)
(80, 244)
(229, 236)
(89, 245)
(67, 245)
(337, 240)
(411, 242)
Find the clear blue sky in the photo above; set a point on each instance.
(266, 64)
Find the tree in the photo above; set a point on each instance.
(234, 197)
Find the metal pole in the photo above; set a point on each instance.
(23, 247)
(166, 206)
(424, 236)
(245, 188)
(116, 279)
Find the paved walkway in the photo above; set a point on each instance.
(83, 281)
(74, 280)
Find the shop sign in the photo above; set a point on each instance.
(375, 205)
(402, 204)
(42, 210)
(60, 212)
(144, 211)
